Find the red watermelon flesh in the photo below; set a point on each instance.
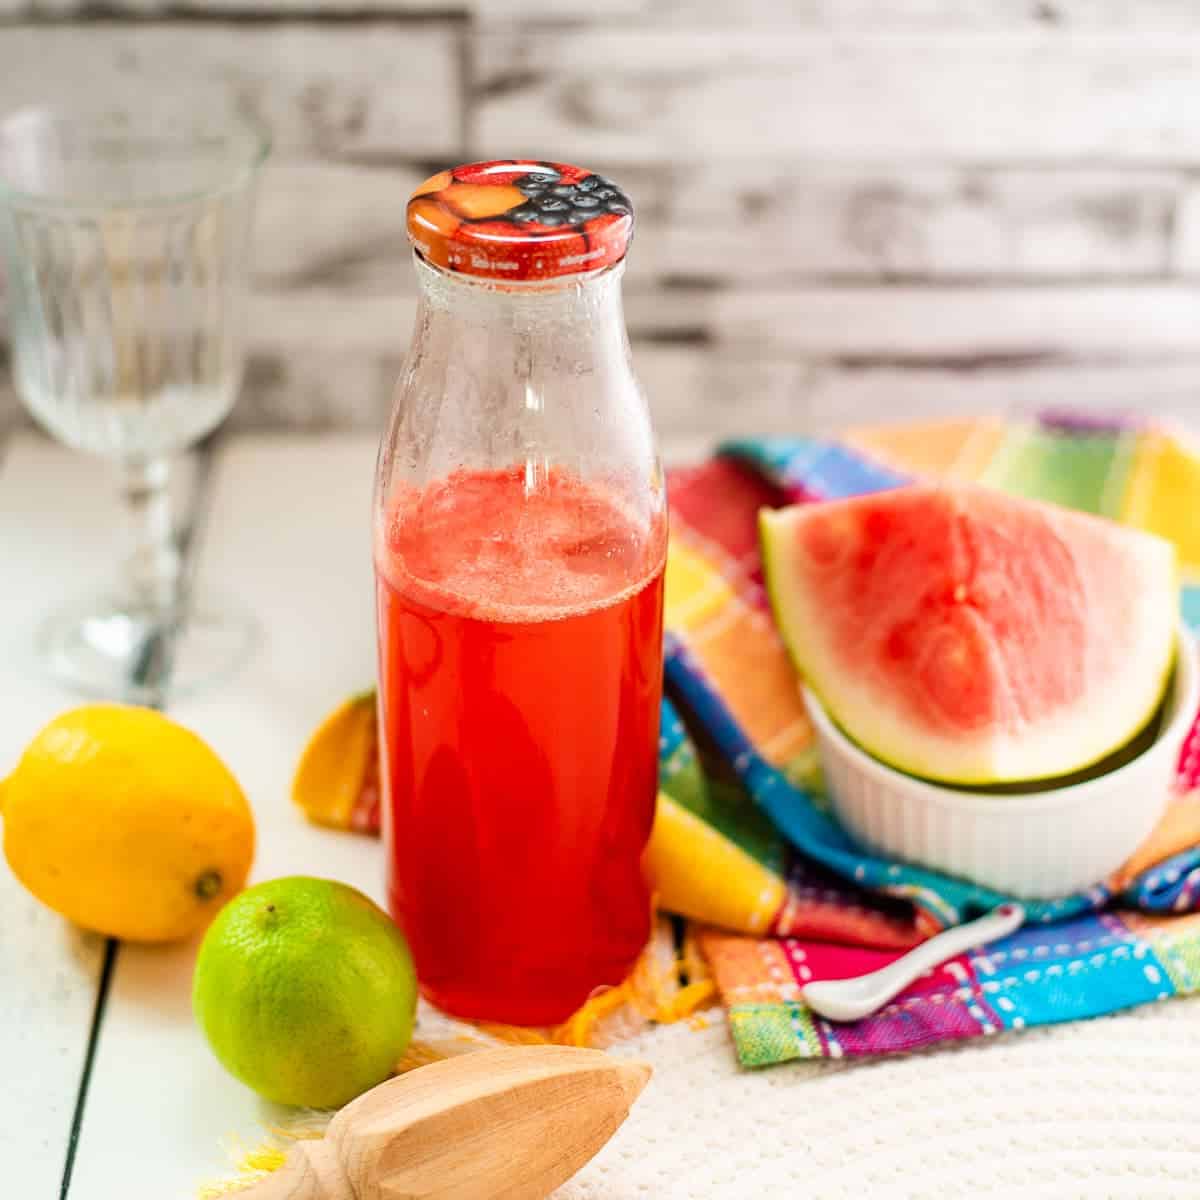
(969, 636)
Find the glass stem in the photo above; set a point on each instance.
(152, 568)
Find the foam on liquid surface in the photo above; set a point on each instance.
(490, 544)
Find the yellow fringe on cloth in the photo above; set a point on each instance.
(268, 1156)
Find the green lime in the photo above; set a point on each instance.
(306, 991)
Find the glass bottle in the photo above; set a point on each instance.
(520, 537)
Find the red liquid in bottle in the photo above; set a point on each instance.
(520, 634)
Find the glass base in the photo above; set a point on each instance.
(119, 651)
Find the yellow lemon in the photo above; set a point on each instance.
(126, 823)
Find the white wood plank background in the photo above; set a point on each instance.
(889, 185)
(739, 94)
(733, 360)
(341, 225)
(912, 15)
(321, 89)
(1106, 321)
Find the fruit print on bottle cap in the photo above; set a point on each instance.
(520, 220)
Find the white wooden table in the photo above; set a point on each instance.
(104, 1077)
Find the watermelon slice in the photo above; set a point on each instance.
(971, 637)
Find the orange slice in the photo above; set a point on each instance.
(435, 183)
(474, 201)
(337, 780)
(433, 216)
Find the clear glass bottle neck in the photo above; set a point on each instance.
(583, 307)
(529, 376)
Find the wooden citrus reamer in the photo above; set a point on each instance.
(506, 1124)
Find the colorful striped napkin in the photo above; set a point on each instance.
(1110, 948)
(743, 844)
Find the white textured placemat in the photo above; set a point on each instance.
(1104, 1108)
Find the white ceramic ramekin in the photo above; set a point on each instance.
(1032, 845)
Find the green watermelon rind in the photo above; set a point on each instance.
(773, 552)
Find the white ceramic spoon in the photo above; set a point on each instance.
(853, 999)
